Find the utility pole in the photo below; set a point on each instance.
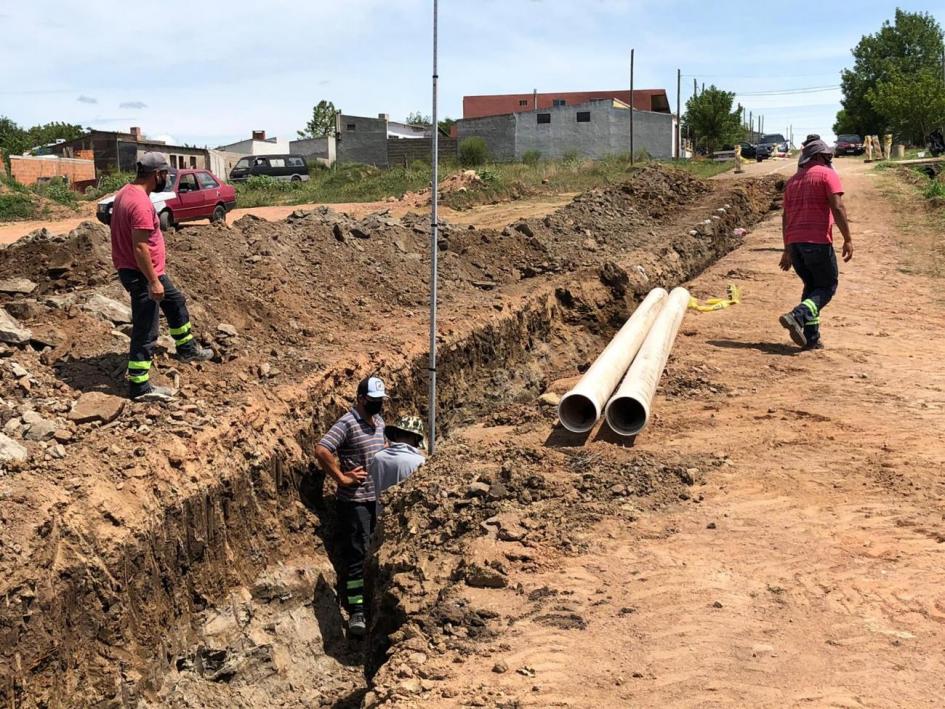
(751, 127)
(631, 108)
(434, 238)
(678, 114)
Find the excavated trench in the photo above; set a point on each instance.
(228, 600)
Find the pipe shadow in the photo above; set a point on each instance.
(767, 249)
(770, 348)
(560, 437)
(606, 434)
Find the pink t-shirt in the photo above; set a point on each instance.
(132, 210)
(807, 214)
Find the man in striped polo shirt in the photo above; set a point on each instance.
(345, 453)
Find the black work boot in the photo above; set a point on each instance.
(193, 351)
(795, 328)
(149, 392)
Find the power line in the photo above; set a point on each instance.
(789, 92)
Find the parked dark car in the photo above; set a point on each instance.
(763, 151)
(849, 144)
(278, 167)
(748, 150)
(776, 142)
(189, 195)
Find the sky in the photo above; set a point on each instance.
(208, 73)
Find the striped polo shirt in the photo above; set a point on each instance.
(355, 442)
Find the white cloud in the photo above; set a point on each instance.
(86, 99)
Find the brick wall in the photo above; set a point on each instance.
(30, 170)
(401, 150)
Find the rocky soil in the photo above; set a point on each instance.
(130, 529)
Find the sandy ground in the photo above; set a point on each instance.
(807, 571)
(491, 215)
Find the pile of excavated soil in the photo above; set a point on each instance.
(125, 524)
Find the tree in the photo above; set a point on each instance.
(418, 119)
(445, 124)
(844, 124)
(51, 132)
(905, 48)
(912, 105)
(323, 121)
(13, 139)
(712, 120)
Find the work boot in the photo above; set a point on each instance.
(815, 345)
(357, 626)
(193, 352)
(151, 393)
(795, 328)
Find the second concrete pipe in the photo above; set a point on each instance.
(581, 407)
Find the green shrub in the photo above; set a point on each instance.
(473, 152)
(531, 157)
(109, 183)
(58, 190)
(15, 206)
(571, 156)
(936, 189)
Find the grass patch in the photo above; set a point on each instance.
(920, 205)
(500, 181)
(15, 205)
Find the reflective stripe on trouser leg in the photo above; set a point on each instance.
(812, 307)
(182, 335)
(355, 592)
(139, 371)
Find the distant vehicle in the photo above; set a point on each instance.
(849, 144)
(748, 150)
(777, 142)
(190, 194)
(763, 151)
(278, 167)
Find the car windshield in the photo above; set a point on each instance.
(171, 179)
(848, 139)
(773, 138)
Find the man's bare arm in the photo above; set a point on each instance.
(329, 464)
(139, 240)
(840, 217)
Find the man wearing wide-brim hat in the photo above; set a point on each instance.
(402, 456)
(813, 203)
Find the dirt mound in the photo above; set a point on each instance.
(200, 493)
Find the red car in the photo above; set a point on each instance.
(190, 194)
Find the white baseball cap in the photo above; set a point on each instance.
(372, 388)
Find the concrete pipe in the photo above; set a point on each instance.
(580, 408)
(628, 411)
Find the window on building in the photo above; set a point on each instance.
(350, 126)
(193, 161)
(188, 183)
(559, 102)
(296, 162)
(544, 118)
(206, 181)
(523, 102)
(583, 116)
(276, 162)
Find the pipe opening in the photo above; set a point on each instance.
(578, 413)
(626, 416)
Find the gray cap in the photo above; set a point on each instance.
(811, 137)
(153, 162)
(814, 147)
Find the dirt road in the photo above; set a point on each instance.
(808, 569)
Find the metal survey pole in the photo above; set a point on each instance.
(434, 226)
(631, 107)
(678, 114)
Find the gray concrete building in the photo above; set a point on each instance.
(592, 130)
(322, 150)
(364, 140)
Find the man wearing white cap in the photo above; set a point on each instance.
(138, 254)
(346, 453)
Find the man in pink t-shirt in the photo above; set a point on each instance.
(139, 256)
(813, 203)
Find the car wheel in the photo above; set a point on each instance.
(166, 221)
(219, 214)
(296, 178)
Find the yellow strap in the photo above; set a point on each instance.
(713, 304)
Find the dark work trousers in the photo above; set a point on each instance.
(355, 523)
(145, 316)
(816, 264)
